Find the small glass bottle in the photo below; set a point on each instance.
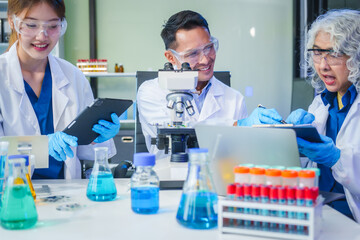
(25, 149)
(242, 174)
(290, 178)
(101, 185)
(257, 175)
(144, 185)
(198, 204)
(3, 154)
(273, 177)
(18, 210)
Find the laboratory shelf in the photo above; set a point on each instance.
(103, 74)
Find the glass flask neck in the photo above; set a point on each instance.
(17, 171)
(101, 160)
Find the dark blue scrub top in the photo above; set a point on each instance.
(44, 113)
(334, 122)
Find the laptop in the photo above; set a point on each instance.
(230, 146)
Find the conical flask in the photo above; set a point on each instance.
(18, 210)
(198, 204)
(101, 185)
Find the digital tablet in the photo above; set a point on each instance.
(101, 108)
(304, 131)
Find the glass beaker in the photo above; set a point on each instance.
(3, 153)
(198, 204)
(101, 185)
(18, 210)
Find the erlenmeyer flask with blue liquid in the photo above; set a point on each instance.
(18, 207)
(101, 185)
(198, 204)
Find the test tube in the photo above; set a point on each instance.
(317, 175)
(239, 195)
(264, 192)
(257, 176)
(231, 189)
(273, 200)
(255, 194)
(300, 201)
(247, 198)
(306, 178)
(242, 174)
(273, 177)
(290, 178)
(282, 201)
(290, 197)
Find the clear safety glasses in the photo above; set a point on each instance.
(193, 56)
(32, 28)
(331, 57)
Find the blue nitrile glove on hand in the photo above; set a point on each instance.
(107, 130)
(325, 153)
(261, 116)
(59, 145)
(300, 116)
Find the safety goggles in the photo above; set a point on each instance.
(331, 57)
(193, 56)
(32, 28)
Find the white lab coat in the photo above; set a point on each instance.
(71, 93)
(222, 104)
(347, 170)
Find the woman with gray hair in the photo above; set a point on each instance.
(333, 64)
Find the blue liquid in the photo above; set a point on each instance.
(145, 200)
(101, 187)
(18, 211)
(198, 210)
(2, 173)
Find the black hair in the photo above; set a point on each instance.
(182, 20)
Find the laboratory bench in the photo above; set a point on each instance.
(73, 216)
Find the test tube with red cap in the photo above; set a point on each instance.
(264, 192)
(239, 195)
(255, 194)
(231, 189)
(274, 200)
(247, 198)
(290, 197)
(300, 201)
(282, 201)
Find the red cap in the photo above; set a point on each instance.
(231, 189)
(282, 192)
(314, 192)
(308, 194)
(255, 191)
(300, 193)
(290, 193)
(247, 190)
(239, 190)
(273, 193)
(264, 190)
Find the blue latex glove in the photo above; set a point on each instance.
(300, 116)
(107, 130)
(261, 116)
(59, 145)
(325, 153)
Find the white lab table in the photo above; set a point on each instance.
(115, 219)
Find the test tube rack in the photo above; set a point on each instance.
(312, 223)
(87, 66)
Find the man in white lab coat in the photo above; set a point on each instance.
(187, 38)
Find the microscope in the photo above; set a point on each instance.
(180, 83)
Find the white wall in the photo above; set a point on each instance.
(129, 33)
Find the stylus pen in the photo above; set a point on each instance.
(282, 120)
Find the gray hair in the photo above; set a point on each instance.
(344, 29)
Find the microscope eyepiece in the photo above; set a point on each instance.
(185, 66)
(168, 66)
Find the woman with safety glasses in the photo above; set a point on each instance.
(42, 94)
(333, 59)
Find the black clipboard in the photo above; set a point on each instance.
(101, 108)
(305, 131)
